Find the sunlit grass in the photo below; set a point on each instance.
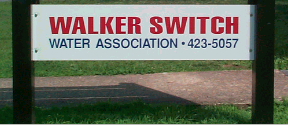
(142, 113)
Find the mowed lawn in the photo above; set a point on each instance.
(78, 68)
(139, 112)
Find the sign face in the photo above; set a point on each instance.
(143, 32)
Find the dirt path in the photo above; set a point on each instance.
(211, 87)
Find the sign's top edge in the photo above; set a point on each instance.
(142, 4)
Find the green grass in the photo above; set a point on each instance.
(5, 40)
(142, 113)
(78, 68)
(143, 1)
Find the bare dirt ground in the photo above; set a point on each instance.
(204, 88)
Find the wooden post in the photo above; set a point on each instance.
(23, 68)
(263, 65)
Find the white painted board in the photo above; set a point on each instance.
(143, 32)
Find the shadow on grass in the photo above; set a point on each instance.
(123, 103)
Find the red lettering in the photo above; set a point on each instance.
(158, 28)
(176, 21)
(192, 25)
(214, 27)
(203, 24)
(134, 22)
(106, 25)
(119, 25)
(79, 25)
(91, 26)
(229, 25)
(60, 22)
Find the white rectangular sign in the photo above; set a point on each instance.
(143, 32)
